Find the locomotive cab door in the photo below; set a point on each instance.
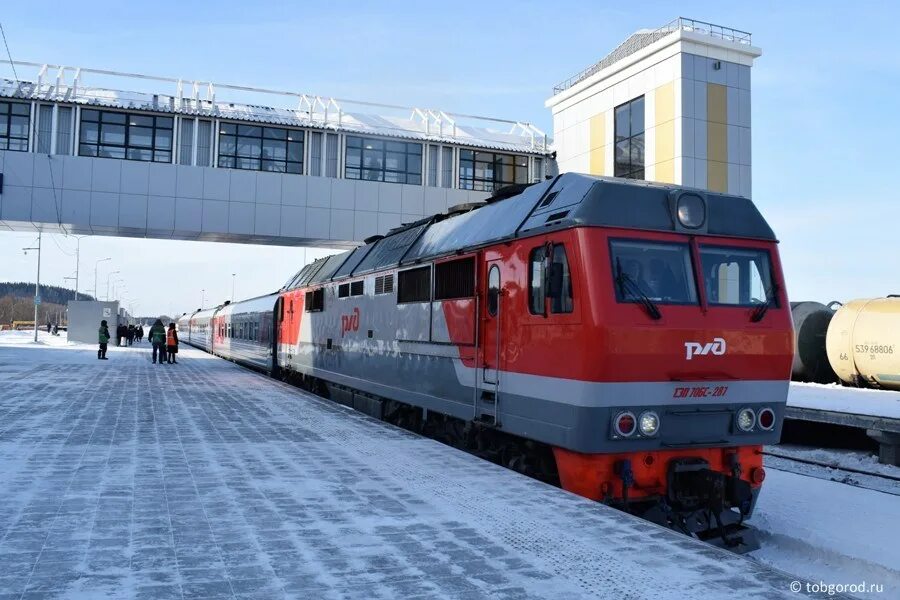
(487, 396)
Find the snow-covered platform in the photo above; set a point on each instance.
(124, 479)
(876, 411)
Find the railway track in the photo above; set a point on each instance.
(880, 482)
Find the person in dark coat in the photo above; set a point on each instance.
(130, 335)
(139, 333)
(48, 327)
(157, 337)
(172, 344)
(103, 338)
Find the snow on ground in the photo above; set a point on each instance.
(842, 458)
(830, 532)
(124, 479)
(838, 398)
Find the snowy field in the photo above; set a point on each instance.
(123, 479)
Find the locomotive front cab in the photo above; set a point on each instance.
(691, 342)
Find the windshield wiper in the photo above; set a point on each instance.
(622, 278)
(760, 311)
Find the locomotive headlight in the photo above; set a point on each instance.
(649, 423)
(746, 419)
(624, 424)
(691, 211)
(766, 419)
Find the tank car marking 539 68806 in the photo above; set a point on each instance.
(641, 331)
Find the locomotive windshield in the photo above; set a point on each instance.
(737, 276)
(657, 271)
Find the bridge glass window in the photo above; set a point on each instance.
(489, 171)
(629, 125)
(110, 134)
(374, 159)
(64, 130)
(257, 148)
(737, 276)
(659, 271)
(14, 118)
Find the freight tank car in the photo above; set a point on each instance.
(811, 320)
(629, 341)
(863, 343)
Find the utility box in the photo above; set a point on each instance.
(85, 317)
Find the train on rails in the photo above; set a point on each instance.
(856, 344)
(630, 341)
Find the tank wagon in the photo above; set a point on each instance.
(630, 341)
(863, 343)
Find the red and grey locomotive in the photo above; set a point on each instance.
(630, 340)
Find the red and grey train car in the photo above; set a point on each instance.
(637, 334)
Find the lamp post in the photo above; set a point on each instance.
(108, 275)
(203, 297)
(37, 286)
(232, 286)
(77, 262)
(95, 273)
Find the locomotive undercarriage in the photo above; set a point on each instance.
(699, 502)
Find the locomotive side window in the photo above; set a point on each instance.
(737, 276)
(454, 279)
(661, 272)
(493, 296)
(414, 285)
(315, 300)
(343, 290)
(540, 269)
(357, 288)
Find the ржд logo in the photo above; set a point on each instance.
(716, 347)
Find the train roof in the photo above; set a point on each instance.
(568, 200)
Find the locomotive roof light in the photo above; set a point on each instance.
(691, 211)
(649, 423)
(766, 419)
(688, 210)
(625, 424)
(746, 419)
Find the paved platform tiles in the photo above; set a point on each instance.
(123, 479)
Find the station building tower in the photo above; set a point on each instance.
(670, 105)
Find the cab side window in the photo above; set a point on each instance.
(549, 277)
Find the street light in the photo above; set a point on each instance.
(95, 273)
(202, 297)
(232, 286)
(108, 275)
(37, 285)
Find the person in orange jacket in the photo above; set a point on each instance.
(172, 344)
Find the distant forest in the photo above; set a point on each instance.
(52, 294)
(17, 302)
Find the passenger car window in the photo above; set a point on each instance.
(737, 276)
(661, 271)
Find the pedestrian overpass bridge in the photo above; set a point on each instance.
(87, 151)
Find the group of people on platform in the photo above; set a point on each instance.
(163, 340)
(129, 334)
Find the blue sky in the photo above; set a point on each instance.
(825, 101)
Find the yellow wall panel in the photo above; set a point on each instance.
(598, 131)
(598, 144)
(717, 142)
(716, 103)
(598, 161)
(665, 172)
(665, 103)
(665, 142)
(717, 176)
